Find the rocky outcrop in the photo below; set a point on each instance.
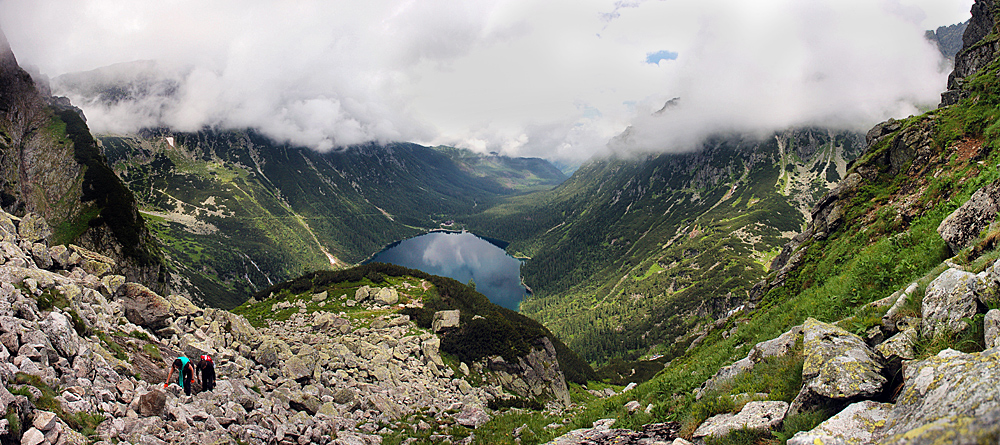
(839, 368)
(445, 320)
(52, 173)
(965, 224)
(534, 376)
(976, 52)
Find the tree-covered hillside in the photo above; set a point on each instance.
(238, 212)
(630, 254)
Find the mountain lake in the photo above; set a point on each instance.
(462, 256)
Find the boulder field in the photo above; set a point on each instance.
(82, 351)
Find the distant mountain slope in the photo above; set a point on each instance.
(237, 211)
(630, 254)
(51, 167)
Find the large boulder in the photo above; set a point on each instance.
(949, 299)
(61, 334)
(472, 416)
(271, 352)
(144, 307)
(964, 225)
(445, 320)
(839, 368)
(362, 294)
(856, 424)
(93, 262)
(754, 416)
(152, 403)
(950, 396)
(327, 322)
(298, 367)
(181, 306)
(33, 228)
(387, 295)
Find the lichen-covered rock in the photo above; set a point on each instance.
(180, 306)
(271, 352)
(856, 424)
(33, 228)
(113, 282)
(144, 307)
(445, 320)
(899, 346)
(387, 295)
(952, 396)
(754, 415)
(839, 368)
(949, 299)
(991, 328)
(298, 367)
(362, 293)
(93, 262)
(8, 230)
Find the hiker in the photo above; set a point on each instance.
(185, 373)
(206, 370)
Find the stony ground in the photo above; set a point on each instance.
(84, 352)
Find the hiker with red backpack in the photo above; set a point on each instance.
(206, 368)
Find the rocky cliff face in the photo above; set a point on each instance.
(979, 48)
(51, 167)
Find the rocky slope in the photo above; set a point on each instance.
(51, 167)
(84, 354)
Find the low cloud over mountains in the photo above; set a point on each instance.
(556, 79)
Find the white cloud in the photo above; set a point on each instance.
(555, 78)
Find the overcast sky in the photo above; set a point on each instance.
(550, 78)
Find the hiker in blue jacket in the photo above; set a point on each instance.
(185, 373)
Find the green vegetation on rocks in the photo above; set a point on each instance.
(486, 329)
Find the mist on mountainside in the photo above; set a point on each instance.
(554, 79)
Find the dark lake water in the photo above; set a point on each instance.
(461, 256)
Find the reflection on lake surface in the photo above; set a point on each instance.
(461, 256)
